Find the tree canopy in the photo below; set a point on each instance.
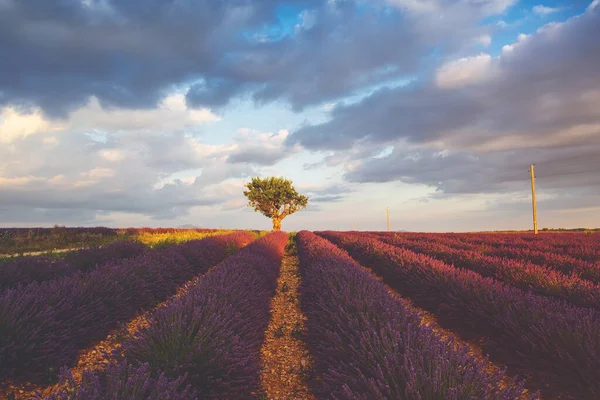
(275, 198)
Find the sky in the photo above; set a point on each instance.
(157, 112)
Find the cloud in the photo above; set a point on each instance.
(253, 147)
(485, 40)
(326, 194)
(99, 173)
(105, 106)
(143, 162)
(461, 172)
(125, 54)
(464, 71)
(543, 10)
(132, 55)
(125, 172)
(14, 124)
(333, 53)
(171, 114)
(480, 121)
(546, 85)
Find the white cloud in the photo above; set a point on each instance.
(506, 49)
(543, 10)
(19, 180)
(464, 71)
(15, 124)
(260, 148)
(112, 155)
(172, 114)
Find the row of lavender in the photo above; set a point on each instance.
(366, 344)
(518, 273)
(43, 325)
(24, 270)
(202, 344)
(561, 259)
(576, 245)
(532, 332)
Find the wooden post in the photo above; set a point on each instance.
(387, 214)
(535, 224)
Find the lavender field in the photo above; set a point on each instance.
(384, 315)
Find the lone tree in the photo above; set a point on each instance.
(275, 197)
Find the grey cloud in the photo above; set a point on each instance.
(258, 156)
(327, 199)
(346, 47)
(213, 92)
(71, 174)
(547, 84)
(415, 112)
(126, 53)
(540, 105)
(260, 149)
(25, 215)
(329, 194)
(556, 201)
(462, 172)
(218, 172)
(130, 53)
(97, 197)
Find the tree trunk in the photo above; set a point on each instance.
(277, 224)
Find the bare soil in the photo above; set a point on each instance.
(286, 360)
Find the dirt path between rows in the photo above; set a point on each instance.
(286, 360)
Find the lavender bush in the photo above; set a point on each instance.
(42, 325)
(368, 345)
(521, 274)
(123, 382)
(24, 270)
(571, 258)
(213, 333)
(545, 334)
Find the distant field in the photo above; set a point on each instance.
(14, 241)
(193, 314)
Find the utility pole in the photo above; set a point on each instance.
(387, 214)
(354, 225)
(535, 224)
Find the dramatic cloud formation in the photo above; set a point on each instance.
(128, 54)
(129, 112)
(478, 124)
